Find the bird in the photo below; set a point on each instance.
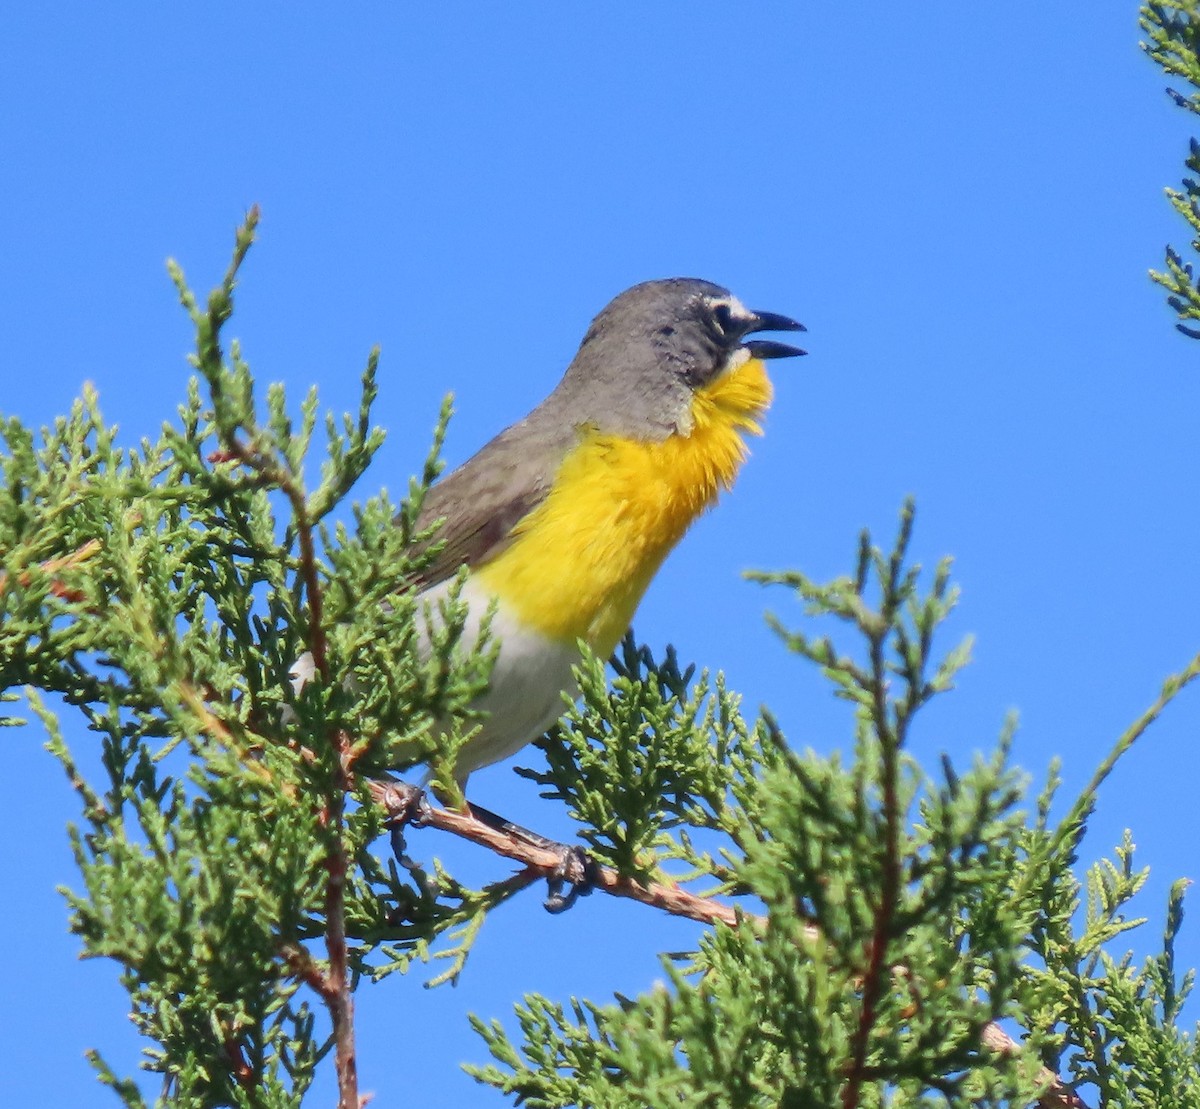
(564, 517)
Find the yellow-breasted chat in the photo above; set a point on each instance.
(564, 518)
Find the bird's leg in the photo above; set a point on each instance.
(404, 804)
(573, 877)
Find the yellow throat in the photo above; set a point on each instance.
(583, 558)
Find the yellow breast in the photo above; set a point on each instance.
(583, 558)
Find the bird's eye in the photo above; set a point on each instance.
(723, 318)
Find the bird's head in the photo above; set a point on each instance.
(655, 345)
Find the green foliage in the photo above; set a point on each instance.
(878, 923)
(1115, 1024)
(647, 763)
(1174, 43)
(887, 944)
(891, 917)
(164, 592)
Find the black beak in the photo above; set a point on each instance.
(769, 348)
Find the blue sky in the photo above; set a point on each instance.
(962, 207)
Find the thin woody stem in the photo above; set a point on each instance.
(874, 977)
(544, 860)
(337, 992)
(54, 566)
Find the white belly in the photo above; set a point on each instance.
(529, 679)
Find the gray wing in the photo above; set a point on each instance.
(482, 501)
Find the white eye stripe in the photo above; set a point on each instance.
(735, 310)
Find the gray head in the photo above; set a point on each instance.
(653, 346)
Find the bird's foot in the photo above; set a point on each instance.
(405, 805)
(574, 877)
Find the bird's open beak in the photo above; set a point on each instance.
(769, 348)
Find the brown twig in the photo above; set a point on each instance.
(335, 990)
(544, 862)
(877, 962)
(338, 999)
(54, 566)
(337, 993)
(303, 966)
(242, 1071)
(1057, 1096)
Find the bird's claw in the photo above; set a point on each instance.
(573, 877)
(405, 805)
